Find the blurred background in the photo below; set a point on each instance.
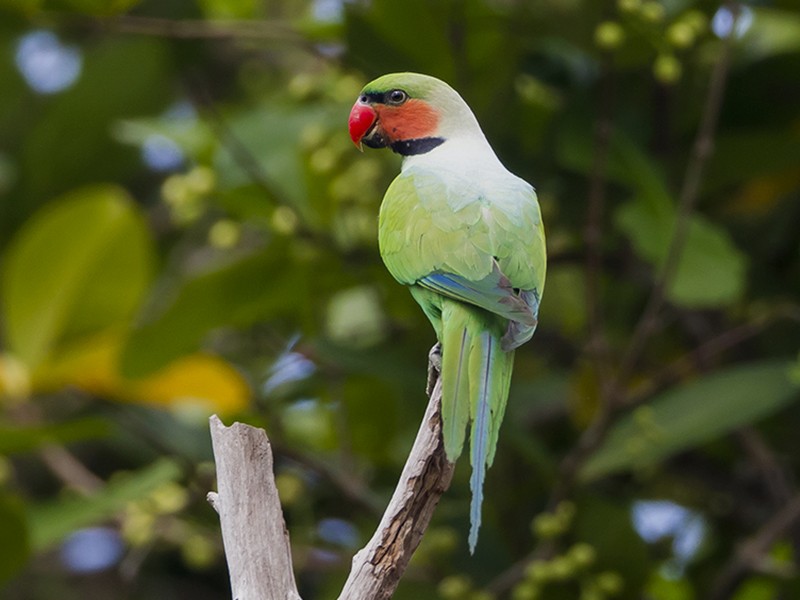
(186, 229)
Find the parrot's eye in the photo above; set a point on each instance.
(396, 97)
(363, 99)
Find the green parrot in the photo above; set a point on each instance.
(466, 236)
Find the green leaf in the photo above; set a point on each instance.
(80, 265)
(311, 424)
(734, 161)
(99, 7)
(52, 522)
(627, 164)
(757, 588)
(237, 294)
(15, 438)
(272, 134)
(605, 524)
(194, 136)
(565, 300)
(692, 414)
(667, 588)
(14, 537)
(355, 317)
(229, 9)
(773, 31)
(24, 7)
(711, 270)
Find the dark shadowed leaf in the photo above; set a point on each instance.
(606, 525)
(14, 536)
(711, 271)
(70, 143)
(16, 438)
(51, 522)
(241, 293)
(692, 414)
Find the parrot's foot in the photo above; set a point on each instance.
(434, 367)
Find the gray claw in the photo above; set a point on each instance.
(434, 367)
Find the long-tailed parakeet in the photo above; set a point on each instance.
(465, 235)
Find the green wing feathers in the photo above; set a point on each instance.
(427, 226)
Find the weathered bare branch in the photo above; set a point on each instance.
(253, 530)
(377, 567)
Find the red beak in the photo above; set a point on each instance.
(362, 118)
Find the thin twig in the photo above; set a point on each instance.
(753, 553)
(701, 151)
(685, 364)
(770, 471)
(352, 488)
(596, 432)
(594, 435)
(239, 151)
(597, 346)
(70, 470)
(200, 28)
(254, 30)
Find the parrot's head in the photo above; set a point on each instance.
(409, 113)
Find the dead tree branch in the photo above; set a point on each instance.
(254, 534)
(377, 567)
(253, 531)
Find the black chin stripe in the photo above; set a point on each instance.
(417, 146)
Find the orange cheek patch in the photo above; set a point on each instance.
(413, 120)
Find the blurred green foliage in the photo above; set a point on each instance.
(185, 228)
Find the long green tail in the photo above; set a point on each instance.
(476, 375)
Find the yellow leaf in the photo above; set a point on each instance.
(584, 397)
(15, 381)
(761, 194)
(199, 379)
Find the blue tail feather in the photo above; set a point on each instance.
(480, 438)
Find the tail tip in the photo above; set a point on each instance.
(473, 537)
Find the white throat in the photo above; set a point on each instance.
(469, 153)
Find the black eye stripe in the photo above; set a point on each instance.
(394, 97)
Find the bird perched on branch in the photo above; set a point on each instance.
(466, 236)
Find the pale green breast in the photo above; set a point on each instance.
(435, 222)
